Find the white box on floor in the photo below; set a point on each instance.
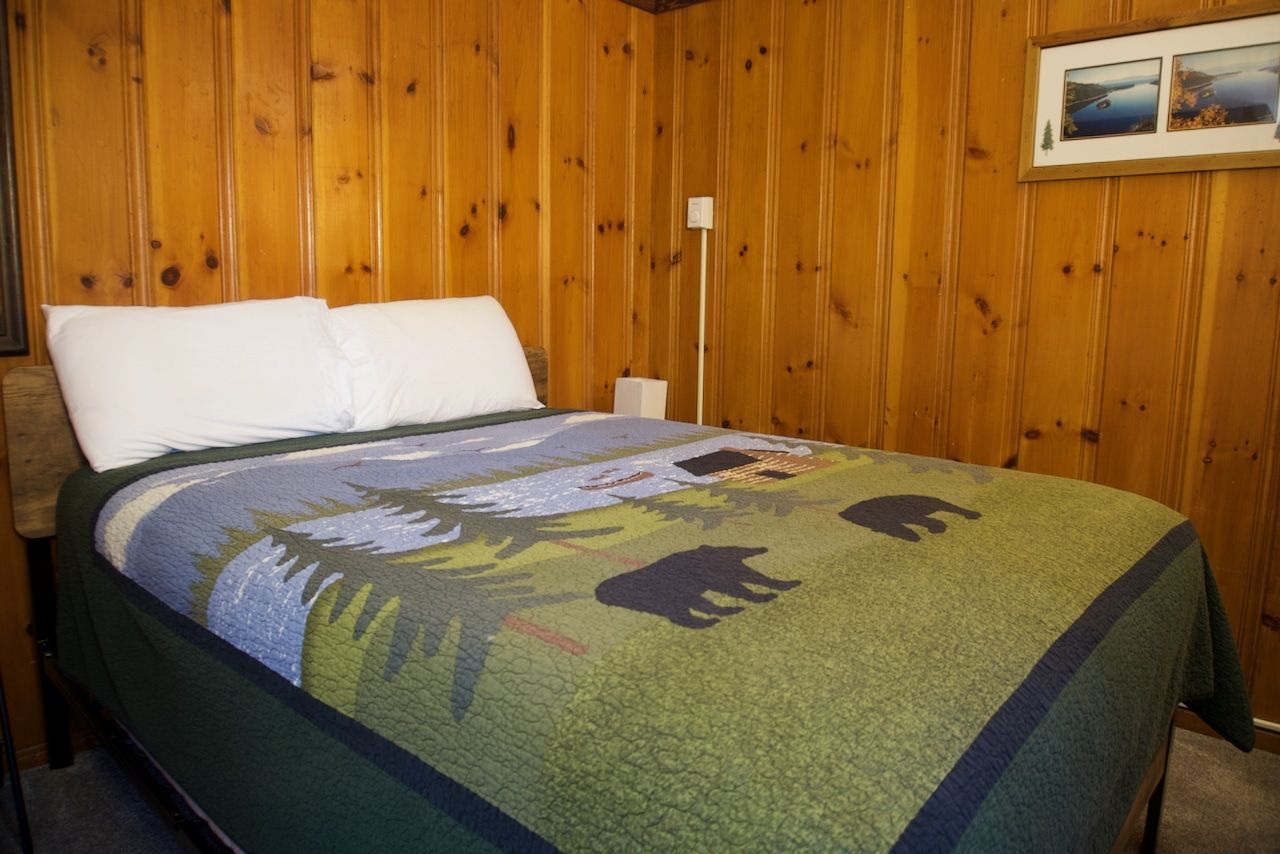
(640, 396)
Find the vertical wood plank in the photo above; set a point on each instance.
(1142, 451)
(801, 151)
(1233, 383)
(1265, 675)
(468, 212)
(519, 134)
(705, 78)
(565, 34)
(988, 279)
(869, 45)
(545, 108)
(264, 132)
(377, 170)
(922, 286)
(342, 82)
(640, 191)
(666, 129)
(84, 136)
(224, 95)
(613, 57)
(180, 107)
(17, 652)
(1147, 259)
(25, 27)
(304, 115)
(142, 284)
(1066, 277)
(411, 187)
(746, 215)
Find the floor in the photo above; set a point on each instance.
(1219, 800)
(88, 807)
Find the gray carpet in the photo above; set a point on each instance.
(89, 806)
(1219, 800)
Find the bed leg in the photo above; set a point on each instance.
(57, 725)
(1155, 806)
(57, 722)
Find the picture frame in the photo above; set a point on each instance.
(1181, 93)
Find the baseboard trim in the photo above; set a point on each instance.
(1266, 725)
(1263, 739)
(38, 754)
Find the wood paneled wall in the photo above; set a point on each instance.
(194, 151)
(878, 277)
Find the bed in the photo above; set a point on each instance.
(559, 629)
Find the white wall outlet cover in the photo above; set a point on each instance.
(701, 212)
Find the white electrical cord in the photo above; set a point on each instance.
(702, 319)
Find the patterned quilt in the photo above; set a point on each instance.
(585, 631)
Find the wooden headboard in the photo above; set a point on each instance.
(43, 449)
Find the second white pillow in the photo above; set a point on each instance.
(425, 361)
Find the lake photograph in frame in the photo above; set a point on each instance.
(1220, 88)
(1111, 100)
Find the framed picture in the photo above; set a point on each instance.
(1176, 94)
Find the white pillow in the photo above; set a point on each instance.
(140, 382)
(422, 361)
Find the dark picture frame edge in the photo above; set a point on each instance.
(13, 320)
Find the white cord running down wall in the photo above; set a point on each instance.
(700, 216)
(702, 321)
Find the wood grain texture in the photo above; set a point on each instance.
(991, 280)
(184, 263)
(1122, 330)
(701, 134)
(41, 446)
(1095, 320)
(17, 653)
(667, 131)
(469, 211)
(1148, 252)
(411, 180)
(746, 215)
(565, 36)
(862, 219)
(519, 163)
(342, 84)
(612, 60)
(1231, 438)
(84, 136)
(537, 359)
(922, 284)
(283, 147)
(640, 202)
(801, 263)
(1265, 677)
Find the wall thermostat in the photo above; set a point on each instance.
(701, 212)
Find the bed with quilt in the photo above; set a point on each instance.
(552, 629)
(583, 631)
